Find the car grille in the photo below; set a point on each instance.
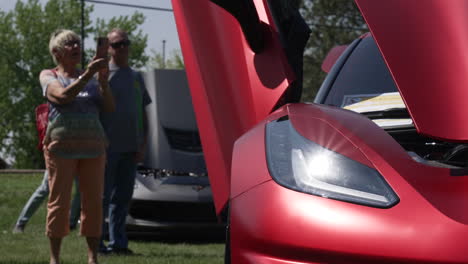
(184, 140)
(172, 211)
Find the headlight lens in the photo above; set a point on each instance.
(302, 165)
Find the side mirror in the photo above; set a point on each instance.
(332, 57)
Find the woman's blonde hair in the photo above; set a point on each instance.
(58, 39)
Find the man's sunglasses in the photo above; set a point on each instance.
(123, 43)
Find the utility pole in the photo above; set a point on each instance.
(164, 53)
(82, 35)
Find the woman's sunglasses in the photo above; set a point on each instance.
(123, 43)
(72, 43)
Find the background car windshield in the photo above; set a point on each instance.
(365, 72)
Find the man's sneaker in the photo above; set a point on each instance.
(73, 226)
(18, 229)
(120, 251)
(103, 250)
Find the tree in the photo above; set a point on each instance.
(332, 22)
(137, 57)
(158, 61)
(24, 34)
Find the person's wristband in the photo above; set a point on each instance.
(83, 78)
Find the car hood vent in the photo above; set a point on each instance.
(188, 141)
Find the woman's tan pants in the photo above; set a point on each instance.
(90, 173)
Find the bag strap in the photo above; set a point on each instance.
(54, 71)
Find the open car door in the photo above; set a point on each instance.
(238, 68)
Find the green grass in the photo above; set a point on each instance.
(32, 247)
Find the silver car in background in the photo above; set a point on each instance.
(172, 191)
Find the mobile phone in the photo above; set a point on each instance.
(102, 44)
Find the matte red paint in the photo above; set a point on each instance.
(232, 87)
(425, 46)
(272, 224)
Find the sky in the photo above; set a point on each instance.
(159, 25)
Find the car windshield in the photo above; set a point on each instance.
(364, 77)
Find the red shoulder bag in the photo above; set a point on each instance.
(42, 119)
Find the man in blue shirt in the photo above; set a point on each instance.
(126, 129)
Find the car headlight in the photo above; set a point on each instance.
(302, 165)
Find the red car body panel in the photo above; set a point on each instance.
(234, 91)
(423, 44)
(272, 224)
(232, 87)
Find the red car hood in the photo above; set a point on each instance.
(424, 45)
(232, 87)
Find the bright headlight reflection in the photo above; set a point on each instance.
(314, 172)
(300, 164)
(319, 164)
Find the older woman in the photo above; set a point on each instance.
(75, 142)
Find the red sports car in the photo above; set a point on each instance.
(374, 171)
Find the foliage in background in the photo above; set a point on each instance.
(332, 22)
(24, 34)
(25, 31)
(137, 58)
(158, 61)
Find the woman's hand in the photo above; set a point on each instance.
(98, 64)
(103, 75)
(101, 66)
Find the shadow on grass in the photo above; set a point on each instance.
(178, 237)
(156, 255)
(187, 255)
(193, 236)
